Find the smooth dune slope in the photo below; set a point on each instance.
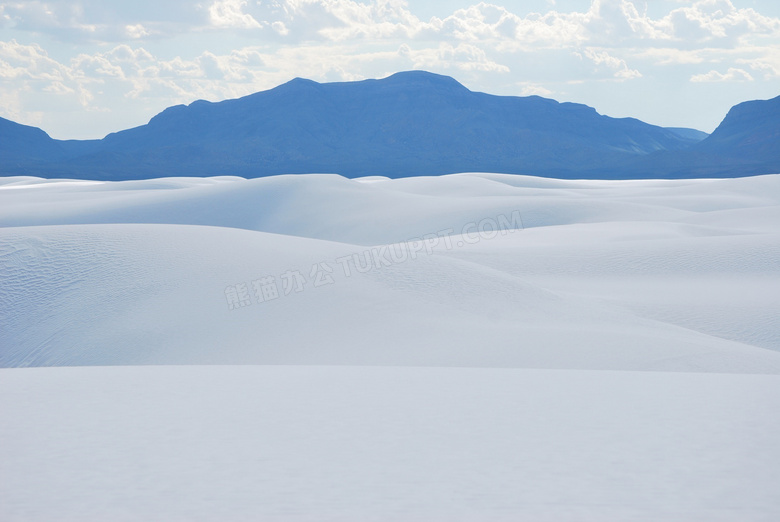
(314, 443)
(635, 275)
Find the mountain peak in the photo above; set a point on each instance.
(299, 81)
(751, 125)
(414, 78)
(418, 77)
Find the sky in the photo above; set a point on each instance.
(83, 69)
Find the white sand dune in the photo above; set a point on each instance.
(598, 358)
(636, 275)
(314, 443)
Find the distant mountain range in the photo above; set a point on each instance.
(409, 124)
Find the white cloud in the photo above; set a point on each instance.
(765, 61)
(767, 69)
(243, 46)
(29, 63)
(101, 21)
(533, 89)
(672, 56)
(136, 31)
(613, 22)
(230, 14)
(125, 53)
(731, 75)
(94, 68)
(463, 56)
(719, 22)
(606, 23)
(618, 65)
(280, 28)
(378, 19)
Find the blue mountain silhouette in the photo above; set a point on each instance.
(411, 123)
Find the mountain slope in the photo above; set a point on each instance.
(750, 129)
(408, 124)
(747, 142)
(22, 143)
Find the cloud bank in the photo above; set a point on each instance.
(132, 61)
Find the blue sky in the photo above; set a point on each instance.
(82, 69)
